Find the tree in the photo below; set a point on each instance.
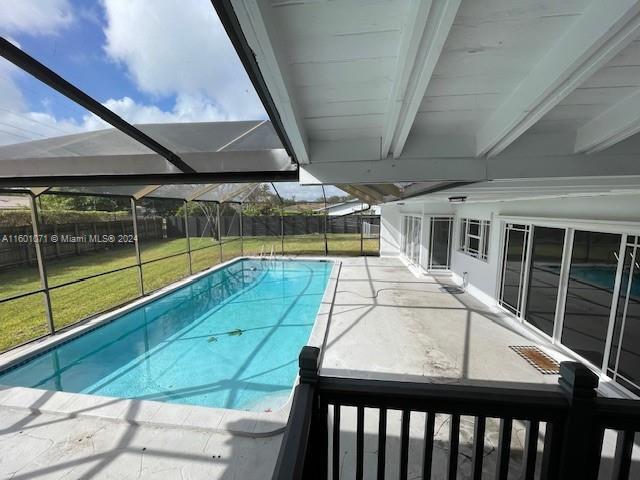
(262, 201)
(82, 203)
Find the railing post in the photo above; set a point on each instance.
(581, 438)
(316, 460)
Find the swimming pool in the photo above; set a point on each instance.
(230, 339)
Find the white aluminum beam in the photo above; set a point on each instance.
(234, 193)
(420, 50)
(505, 166)
(615, 124)
(600, 33)
(359, 194)
(143, 192)
(261, 31)
(37, 191)
(201, 191)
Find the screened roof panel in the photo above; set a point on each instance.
(206, 147)
(150, 62)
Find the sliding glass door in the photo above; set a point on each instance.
(440, 244)
(584, 293)
(624, 356)
(590, 292)
(513, 267)
(544, 277)
(411, 238)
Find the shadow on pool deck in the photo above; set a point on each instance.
(42, 446)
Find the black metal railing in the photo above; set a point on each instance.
(569, 422)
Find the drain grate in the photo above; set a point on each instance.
(452, 289)
(537, 359)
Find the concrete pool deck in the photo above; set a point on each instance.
(385, 323)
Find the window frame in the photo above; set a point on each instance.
(484, 232)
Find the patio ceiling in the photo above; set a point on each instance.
(378, 91)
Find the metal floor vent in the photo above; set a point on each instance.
(537, 359)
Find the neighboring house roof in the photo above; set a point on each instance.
(345, 208)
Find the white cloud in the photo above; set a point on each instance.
(17, 124)
(169, 47)
(179, 47)
(34, 17)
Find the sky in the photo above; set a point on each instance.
(150, 61)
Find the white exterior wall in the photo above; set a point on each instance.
(390, 231)
(482, 276)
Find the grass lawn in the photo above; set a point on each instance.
(24, 319)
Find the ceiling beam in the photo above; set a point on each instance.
(426, 31)
(615, 124)
(600, 33)
(412, 33)
(261, 34)
(150, 178)
(472, 169)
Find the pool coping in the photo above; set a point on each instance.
(149, 412)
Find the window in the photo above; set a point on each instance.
(474, 237)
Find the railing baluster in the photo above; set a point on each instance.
(530, 449)
(504, 449)
(360, 444)
(551, 452)
(427, 460)
(404, 444)
(454, 442)
(322, 440)
(622, 459)
(335, 457)
(478, 447)
(382, 442)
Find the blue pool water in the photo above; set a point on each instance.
(230, 339)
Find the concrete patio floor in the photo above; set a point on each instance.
(386, 323)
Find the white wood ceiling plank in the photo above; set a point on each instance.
(599, 34)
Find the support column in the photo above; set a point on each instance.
(136, 242)
(241, 231)
(361, 235)
(282, 230)
(42, 269)
(186, 232)
(219, 229)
